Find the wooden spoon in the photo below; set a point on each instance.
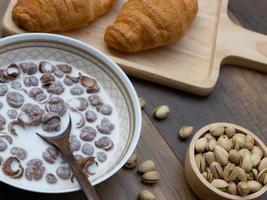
(61, 141)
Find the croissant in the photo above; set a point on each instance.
(58, 15)
(146, 24)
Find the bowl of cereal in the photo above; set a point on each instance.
(44, 78)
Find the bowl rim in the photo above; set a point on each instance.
(107, 62)
(199, 134)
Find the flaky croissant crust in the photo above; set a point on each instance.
(58, 15)
(146, 24)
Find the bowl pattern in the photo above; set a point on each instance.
(92, 62)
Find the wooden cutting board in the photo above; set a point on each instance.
(191, 64)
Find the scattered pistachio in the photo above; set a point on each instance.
(146, 195)
(132, 162)
(151, 177)
(185, 132)
(161, 112)
(142, 102)
(147, 166)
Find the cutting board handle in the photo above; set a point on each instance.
(239, 46)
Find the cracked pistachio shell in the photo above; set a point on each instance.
(243, 152)
(211, 145)
(262, 175)
(132, 162)
(220, 184)
(252, 175)
(221, 155)
(200, 161)
(249, 142)
(161, 112)
(239, 141)
(246, 163)
(243, 189)
(185, 132)
(205, 175)
(234, 156)
(147, 166)
(230, 131)
(216, 170)
(254, 186)
(217, 131)
(257, 150)
(209, 157)
(255, 159)
(209, 137)
(151, 177)
(224, 142)
(228, 172)
(262, 164)
(146, 195)
(232, 188)
(201, 145)
(241, 174)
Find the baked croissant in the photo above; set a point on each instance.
(58, 15)
(146, 24)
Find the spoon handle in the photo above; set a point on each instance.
(85, 184)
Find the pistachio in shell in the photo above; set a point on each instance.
(201, 145)
(147, 166)
(142, 102)
(217, 131)
(232, 189)
(132, 162)
(262, 164)
(243, 188)
(246, 163)
(255, 159)
(146, 195)
(161, 112)
(230, 131)
(185, 132)
(257, 150)
(216, 170)
(220, 184)
(209, 137)
(209, 157)
(221, 155)
(151, 177)
(200, 161)
(234, 156)
(224, 142)
(254, 186)
(249, 142)
(243, 152)
(229, 172)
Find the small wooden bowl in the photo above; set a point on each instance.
(201, 187)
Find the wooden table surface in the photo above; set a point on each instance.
(240, 97)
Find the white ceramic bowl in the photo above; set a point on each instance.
(37, 46)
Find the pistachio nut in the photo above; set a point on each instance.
(249, 142)
(209, 137)
(209, 175)
(151, 177)
(230, 131)
(142, 102)
(132, 162)
(147, 166)
(242, 152)
(232, 188)
(241, 174)
(161, 112)
(228, 172)
(234, 156)
(224, 142)
(209, 157)
(221, 155)
(243, 188)
(205, 175)
(211, 145)
(216, 170)
(265, 180)
(185, 132)
(262, 164)
(246, 163)
(254, 186)
(201, 145)
(239, 141)
(217, 131)
(252, 175)
(220, 184)
(262, 175)
(232, 143)
(146, 195)
(201, 163)
(257, 150)
(255, 159)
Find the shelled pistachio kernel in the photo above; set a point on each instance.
(185, 132)
(146, 195)
(147, 166)
(161, 112)
(151, 177)
(132, 162)
(142, 102)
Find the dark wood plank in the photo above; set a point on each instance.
(126, 184)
